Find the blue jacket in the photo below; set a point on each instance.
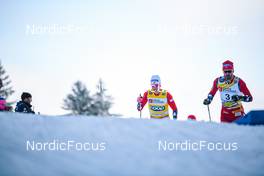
(24, 107)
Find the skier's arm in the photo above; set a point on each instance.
(172, 104)
(214, 88)
(243, 88)
(143, 101)
(211, 94)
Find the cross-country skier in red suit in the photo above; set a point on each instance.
(233, 90)
(158, 100)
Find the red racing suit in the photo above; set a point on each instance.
(231, 110)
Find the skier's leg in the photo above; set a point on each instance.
(223, 119)
(230, 115)
(226, 115)
(238, 113)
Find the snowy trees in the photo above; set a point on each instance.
(102, 102)
(82, 103)
(79, 101)
(5, 89)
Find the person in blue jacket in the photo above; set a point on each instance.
(24, 105)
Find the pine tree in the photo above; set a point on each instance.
(102, 102)
(5, 89)
(79, 101)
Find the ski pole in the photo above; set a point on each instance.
(140, 113)
(209, 112)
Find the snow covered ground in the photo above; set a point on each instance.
(43, 145)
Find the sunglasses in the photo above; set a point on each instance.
(228, 71)
(154, 81)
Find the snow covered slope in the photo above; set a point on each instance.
(114, 146)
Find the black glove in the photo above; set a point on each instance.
(208, 100)
(139, 107)
(247, 98)
(174, 114)
(236, 97)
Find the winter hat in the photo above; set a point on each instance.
(228, 65)
(155, 78)
(25, 95)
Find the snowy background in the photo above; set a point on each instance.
(125, 42)
(131, 147)
(47, 46)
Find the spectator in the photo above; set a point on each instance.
(3, 105)
(24, 105)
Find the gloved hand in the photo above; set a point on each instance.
(174, 114)
(139, 100)
(208, 100)
(247, 98)
(236, 97)
(139, 107)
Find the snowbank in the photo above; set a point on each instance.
(43, 145)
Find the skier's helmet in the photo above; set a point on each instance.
(155, 82)
(228, 65)
(228, 69)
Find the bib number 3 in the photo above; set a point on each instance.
(227, 97)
